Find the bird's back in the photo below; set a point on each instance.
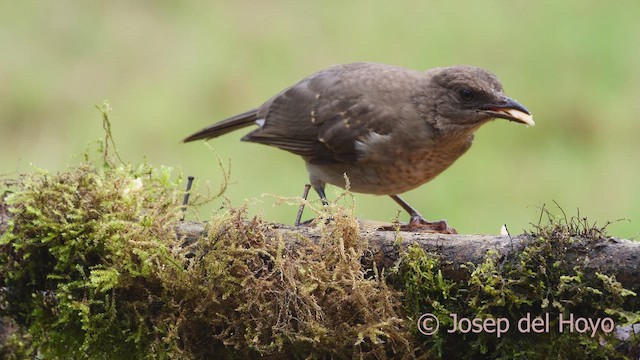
(323, 116)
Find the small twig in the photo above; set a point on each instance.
(186, 196)
(305, 193)
(105, 109)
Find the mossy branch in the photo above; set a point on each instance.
(610, 256)
(99, 260)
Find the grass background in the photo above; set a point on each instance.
(169, 69)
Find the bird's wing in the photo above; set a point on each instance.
(323, 117)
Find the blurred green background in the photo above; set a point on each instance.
(170, 68)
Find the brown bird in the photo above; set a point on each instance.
(389, 129)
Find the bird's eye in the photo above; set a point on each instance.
(467, 94)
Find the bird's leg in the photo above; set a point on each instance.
(305, 193)
(418, 221)
(320, 190)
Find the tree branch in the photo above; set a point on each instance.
(611, 256)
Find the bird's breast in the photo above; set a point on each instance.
(394, 170)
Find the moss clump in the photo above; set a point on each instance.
(79, 256)
(261, 297)
(92, 268)
(533, 282)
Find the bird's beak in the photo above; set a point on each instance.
(511, 110)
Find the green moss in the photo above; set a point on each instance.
(533, 282)
(91, 268)
(79, 255)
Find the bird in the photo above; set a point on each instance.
(387, 129)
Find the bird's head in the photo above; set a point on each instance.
(468, 95)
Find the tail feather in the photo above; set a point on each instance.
(220, 128)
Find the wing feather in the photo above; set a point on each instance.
(323, 117)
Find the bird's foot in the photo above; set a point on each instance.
(418, 223)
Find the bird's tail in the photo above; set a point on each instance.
(220, 128)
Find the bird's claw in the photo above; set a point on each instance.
(418, 223)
